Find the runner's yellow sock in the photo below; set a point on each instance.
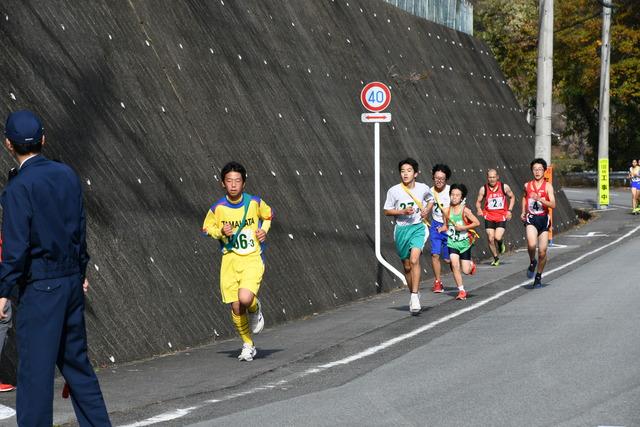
(242, 326)
(254, 305)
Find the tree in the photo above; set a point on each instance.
(510, 28)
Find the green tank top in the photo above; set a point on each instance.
(458, 240)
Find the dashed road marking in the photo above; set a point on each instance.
(178, 413)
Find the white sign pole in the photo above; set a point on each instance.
(376, 156)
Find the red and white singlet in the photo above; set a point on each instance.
(495, 203)
(533, 206)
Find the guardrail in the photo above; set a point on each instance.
(616, 178)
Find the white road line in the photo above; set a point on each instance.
(552, 246)
(166, 416)
(556, 246)
(375, 349)
(6, 412)
(389, 343)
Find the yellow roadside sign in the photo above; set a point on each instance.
(603, 182)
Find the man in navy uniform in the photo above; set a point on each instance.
(45, 253)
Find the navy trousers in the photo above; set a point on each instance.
(51, 331)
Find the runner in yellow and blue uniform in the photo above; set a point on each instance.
(240, 222)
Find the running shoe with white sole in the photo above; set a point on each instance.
(256, 320)
(414, 304)
(462, 295)
(6, 387)
(248, 353)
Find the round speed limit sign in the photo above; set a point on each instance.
(375, 97)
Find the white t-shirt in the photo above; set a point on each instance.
(443, 198)
(397, 198)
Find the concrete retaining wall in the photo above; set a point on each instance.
(147, 100)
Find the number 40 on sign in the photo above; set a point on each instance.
(375, 97)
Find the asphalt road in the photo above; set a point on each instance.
(565, 354)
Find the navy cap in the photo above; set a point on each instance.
(23, 127)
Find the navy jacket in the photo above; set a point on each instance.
(43, 224)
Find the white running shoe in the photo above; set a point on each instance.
(248, 353)
(414, 304)
(256, 320)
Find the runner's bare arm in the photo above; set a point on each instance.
(473, 220)
(523, 215)
(424, 212)
(430, 206)
(445, 219)
(479, 201)
(551, 203)
(396, 212)
(512, 200)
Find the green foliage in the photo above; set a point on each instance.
(505, 25)
(510, 28)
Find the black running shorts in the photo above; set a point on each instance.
(540, 222)
(494, 224)
(466, 255)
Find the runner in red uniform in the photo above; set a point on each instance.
(495, 212)
(537, 199)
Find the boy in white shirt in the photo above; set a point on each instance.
(405, 201)
(437, 204)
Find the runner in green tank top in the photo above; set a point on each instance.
(459, 221)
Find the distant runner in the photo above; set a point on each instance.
(495, 212)
(634, 177)
(536, 200)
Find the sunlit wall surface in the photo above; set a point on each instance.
(456, 14)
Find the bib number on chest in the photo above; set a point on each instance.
(456, 236)
(535, 207)
(244, 243)
(495, 203)
(403, 206)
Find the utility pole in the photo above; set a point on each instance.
(545, 81)
(603, 131)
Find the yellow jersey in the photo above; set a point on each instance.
(223, 212)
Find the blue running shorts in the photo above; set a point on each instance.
(439, 241)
